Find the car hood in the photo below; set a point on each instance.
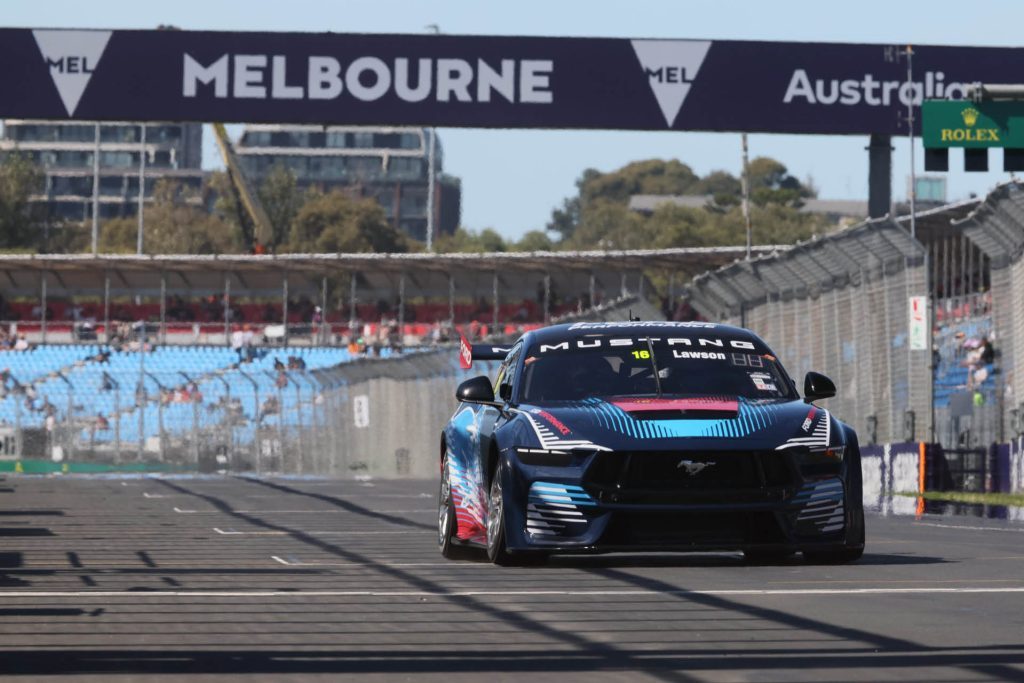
(719, 422)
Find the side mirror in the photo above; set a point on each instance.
(476, 390)
(817, 385)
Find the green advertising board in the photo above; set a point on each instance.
(946, 123)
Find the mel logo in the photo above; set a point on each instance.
(71, 57)
(671, 66)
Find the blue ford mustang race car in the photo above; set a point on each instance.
(646, 436)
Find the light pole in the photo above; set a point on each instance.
(910, 140)
(431, 181)
(142, 186)
(431, 172)
(96, 192)
(745, 187)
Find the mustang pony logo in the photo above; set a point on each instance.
(693, 468)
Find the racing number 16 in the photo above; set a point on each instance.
(644, 354)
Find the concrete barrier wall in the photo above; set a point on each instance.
(889, 469)
(386, 416)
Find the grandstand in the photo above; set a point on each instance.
(197, 299)
(172, 404)
(221, 361)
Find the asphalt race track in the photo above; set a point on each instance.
(302, 579)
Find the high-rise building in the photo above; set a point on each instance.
(391, 165)
(64, 150)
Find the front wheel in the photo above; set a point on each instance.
(496, 550)
(851, 553)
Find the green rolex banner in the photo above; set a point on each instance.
(972, 124)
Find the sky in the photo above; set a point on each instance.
(512, 179)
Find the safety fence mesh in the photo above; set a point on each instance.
(996, 227)
(372, 417)
(839, 305)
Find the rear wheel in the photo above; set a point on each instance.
(447, 523)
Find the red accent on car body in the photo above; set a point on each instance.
(715, 403)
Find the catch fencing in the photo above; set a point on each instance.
(376, 418)
(840, 305)
(996, 227)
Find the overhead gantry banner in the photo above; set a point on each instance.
(481, 81)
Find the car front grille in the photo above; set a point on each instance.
(682, 476)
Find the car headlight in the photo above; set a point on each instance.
(835, 452)
(540, 457)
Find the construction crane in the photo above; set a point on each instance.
(256, 227)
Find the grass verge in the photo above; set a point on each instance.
(1015, 499)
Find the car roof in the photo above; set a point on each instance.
(570, 331)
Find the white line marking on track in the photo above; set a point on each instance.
(147, 494)
(7, 595)
(967, 528)
(232, 532)
(183, 512)
(364, 565)
(286, 512)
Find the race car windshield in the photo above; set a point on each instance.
(584, 368)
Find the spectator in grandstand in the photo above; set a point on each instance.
(270, 314)
(248, 343)
(296, 363)
(282, 380)
(238, 342)
(278, 365)
(269, 407)
(22, 343)
(37, 312)
(975, 361)
(102, 423)
(988, 353)
(108, 382)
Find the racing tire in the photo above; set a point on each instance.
(447, 522)
(496, 550)
(851, 553)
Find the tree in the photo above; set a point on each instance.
(534, 240)
(175, 223)
(652, 176)
(718, 183)
(334, 222)
(770, 182)
(281, 198)
(19, 179)
(470, 241)
(607, 224)
(564, 220)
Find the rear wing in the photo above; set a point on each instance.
(471, 352)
